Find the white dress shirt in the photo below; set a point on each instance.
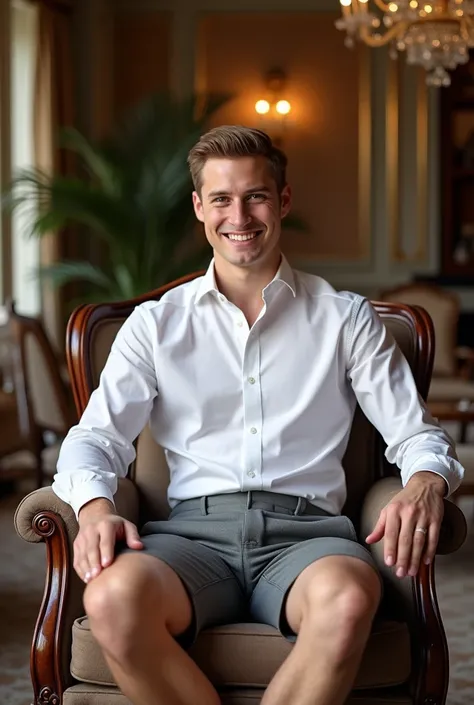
(263, 408)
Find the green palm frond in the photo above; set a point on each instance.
(65, 272)
(96, 162)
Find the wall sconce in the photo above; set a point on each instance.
(273, 108)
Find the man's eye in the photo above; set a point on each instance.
(220, 199)
(257, 196)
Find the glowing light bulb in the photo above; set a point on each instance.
(428, 9)
(262, 107)
(413, 4)
(393, 7)
(346, 3)
(283, 107)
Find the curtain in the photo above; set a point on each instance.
(54, 109)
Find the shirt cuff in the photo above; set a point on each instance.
(84, 493)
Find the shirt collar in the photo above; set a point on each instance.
(284, 274)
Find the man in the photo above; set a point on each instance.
(249, 377)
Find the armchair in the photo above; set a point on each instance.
(453, 367)
(406, 660)
(43, 400)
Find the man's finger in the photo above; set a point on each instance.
(392, 531)
(432, 542)
(81, 562)
(131, 536)
(107, 544)
(93, 552)
(378, 531)
(418, 546)
(405, 542)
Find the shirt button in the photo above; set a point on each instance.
(251, 380)
(240, 323)
(221, 298)
(253, 430)
(250, 473)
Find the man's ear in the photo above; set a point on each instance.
(285, 201)
(198, 207)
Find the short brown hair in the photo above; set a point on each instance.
(229, 141)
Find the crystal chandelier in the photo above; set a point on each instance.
(435, 34)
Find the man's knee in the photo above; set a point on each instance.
(135, 593)
(336, 599)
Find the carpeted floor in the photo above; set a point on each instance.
(22, 580)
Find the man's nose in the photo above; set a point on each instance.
(239, 216)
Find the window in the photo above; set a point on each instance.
(25, 251)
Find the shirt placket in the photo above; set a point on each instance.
(253, 416)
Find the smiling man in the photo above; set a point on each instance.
(249, 377)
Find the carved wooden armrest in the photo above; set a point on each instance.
(42, 516)
(416, 597)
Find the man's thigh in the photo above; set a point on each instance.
(270, 596)
(213, 590)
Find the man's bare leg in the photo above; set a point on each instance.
(135, 607)
(330, 607)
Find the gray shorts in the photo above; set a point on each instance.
(239, 554)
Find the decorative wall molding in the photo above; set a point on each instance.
(407, 156)
(392, 165)
(179, 6)
(365, 154)
(422, 153)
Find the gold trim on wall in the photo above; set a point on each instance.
(365, 153)
(422, 147)
(392, 166)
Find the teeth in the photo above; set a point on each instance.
(241, 238)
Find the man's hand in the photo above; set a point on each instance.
(411, 522)
(99, 529)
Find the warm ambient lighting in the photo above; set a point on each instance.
(283, 107)
(436, 35)
(275, 84)
(262, 107)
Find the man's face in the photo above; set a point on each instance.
(241, 209)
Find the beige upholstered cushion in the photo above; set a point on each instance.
(84, 694)
(227, 655)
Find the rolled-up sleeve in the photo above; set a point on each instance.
(99, 449)
(386, 391)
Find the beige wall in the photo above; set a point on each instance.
(362, 140)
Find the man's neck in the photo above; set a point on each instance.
(243, 286)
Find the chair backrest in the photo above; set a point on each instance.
(92, 328)
(443, 307)
(42, 397)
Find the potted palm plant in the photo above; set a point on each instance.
(134, 195)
